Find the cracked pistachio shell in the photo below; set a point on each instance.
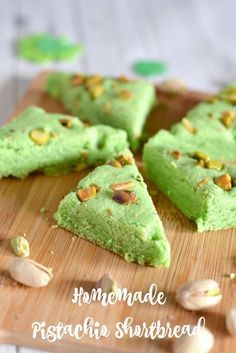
(202, 342)
(199, 294)
(231, 321)
(30, 273)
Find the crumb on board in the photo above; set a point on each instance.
(42, 210)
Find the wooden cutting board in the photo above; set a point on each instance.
(77, 262)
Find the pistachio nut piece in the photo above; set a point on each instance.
(107, 284)
(231, 321)
(199, 294)
(202, 342)
(20, 246)
(30, 273)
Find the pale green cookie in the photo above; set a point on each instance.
(54, 144)
(112, 208)
(120, 103)
(194, 163)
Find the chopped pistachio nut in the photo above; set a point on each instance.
(212, 99)
(114, 163)
(77, 80)
(188, 126)
(66, 122)
(125, 94)
(123, 79)
(234, 182)
(201, 163)
(125, 159)
(214, 164)
(20, 246)
(227, 118)
(122, 186)
(224, 182)
(202, 182)
(93, 81)
(176, 154)
(39, 136)
(96, 187)
(200, 156)
(125, 197)
(96, 91)
(87, 193)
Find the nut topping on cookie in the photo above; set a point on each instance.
(124, 197)
(39, 136)
(176, 154)
(122, 186)
(188, 126)
(224, 182)
(200, 156)
(202, 182)
(96, 91)
(125, 159)
(87, 193)
(66, 122)
(77, 80)
(214, 164)
(125, 94)
(227, 118)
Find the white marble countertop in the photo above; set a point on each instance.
(195, 38)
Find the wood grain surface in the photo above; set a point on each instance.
(77, 262)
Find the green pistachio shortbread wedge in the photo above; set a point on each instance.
(111, 207)
(53, 144)
(194, 163)
(120, 103)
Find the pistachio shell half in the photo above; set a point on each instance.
(107, 284)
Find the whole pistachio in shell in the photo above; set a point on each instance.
(199, 294)
(231, 321)
(202, 342)
(30, 273)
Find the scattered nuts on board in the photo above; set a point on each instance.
(199, 294)
(30, 273)
(107, 284)
(20, 246)
(202, 342)
(231, 321)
